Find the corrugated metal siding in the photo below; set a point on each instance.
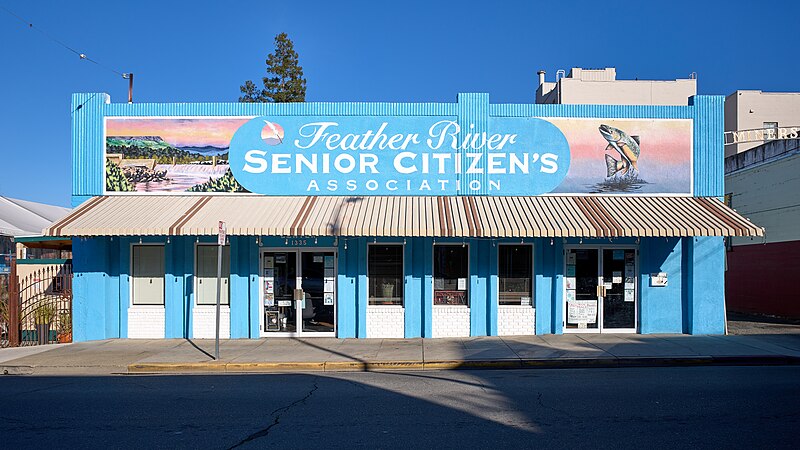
(473, 109)
(88, 149)
(709, 150)
(281, 109)
(707, 112)
(482, 216)
(604, 111)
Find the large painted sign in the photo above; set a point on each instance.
(398, 155)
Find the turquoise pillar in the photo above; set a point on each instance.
(240, 287)
(705, 284)
(412, 294)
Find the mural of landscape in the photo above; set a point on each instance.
(170, 154)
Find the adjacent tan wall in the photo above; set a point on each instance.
(747, 110)
(600, 87)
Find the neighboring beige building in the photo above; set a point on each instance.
(748, 110)
(601, 87)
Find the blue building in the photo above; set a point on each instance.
(397, 220)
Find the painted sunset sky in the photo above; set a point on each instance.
(665, 161)
(199, 132)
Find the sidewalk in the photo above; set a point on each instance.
(127, 356)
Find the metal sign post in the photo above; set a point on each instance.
(220, 244)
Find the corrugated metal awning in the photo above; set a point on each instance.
(546, 216)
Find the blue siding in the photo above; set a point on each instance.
(693, 301)
(89, 298)
(347, 315)
(412, 294)
(478, 287)
(709, 152)
(705, 285)
(493, 291)
(473, 117)
(661, 308)
(88, 158)
(240, 286)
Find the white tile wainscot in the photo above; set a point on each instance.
(450, 321)
(386, 321)
(516, 320)
(204, 322)
(146, 322)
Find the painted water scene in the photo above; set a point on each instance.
(628, 156)
(170, 155)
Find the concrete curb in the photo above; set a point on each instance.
(358, 366)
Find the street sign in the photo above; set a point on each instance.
(221, 233)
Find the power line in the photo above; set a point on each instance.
(62, 44)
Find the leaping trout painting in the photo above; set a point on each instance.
(626, 146)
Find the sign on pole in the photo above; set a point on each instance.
(221, 235)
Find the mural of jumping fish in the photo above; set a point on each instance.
(626, 146)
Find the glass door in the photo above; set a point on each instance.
(582, 290)
(600, 290)
(298, 292)
(619, 290)
(279, 283)
(317, 308)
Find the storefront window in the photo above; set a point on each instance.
(450, 275)
(206, 277)
(515, 272)
(148, 275)
(385, 272)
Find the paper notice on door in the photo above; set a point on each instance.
(462, 284)
(269, 286)
(571, 258)
(280, 258)
(608, 285)
(569, 282)
(571, 271)
(328, 285)
(582, 311)
(327, 299)
(269, 300)
(629, 285)
(616, 276)
(571, 295)
(618, 255)
(329, 273)
(284, 303)
(329, 262)
(629, 295)
(317, 259)
(269, 273)
(269, 262)
(628, 270)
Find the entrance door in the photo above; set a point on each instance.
(600, 290)
(298, 292)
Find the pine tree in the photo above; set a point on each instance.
(284, 81)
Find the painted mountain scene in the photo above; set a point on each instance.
(170, 155)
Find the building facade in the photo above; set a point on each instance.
(753, 110)
(762, 183)
(397, 220)
(601, 87)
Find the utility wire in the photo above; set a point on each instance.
(48, 36)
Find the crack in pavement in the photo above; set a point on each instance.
(276, 421)
(539, 400)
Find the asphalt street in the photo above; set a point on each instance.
(689, 407)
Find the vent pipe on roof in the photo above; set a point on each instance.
(541, 77)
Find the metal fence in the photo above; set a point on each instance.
(37, 308)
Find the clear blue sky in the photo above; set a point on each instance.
(191, 51)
